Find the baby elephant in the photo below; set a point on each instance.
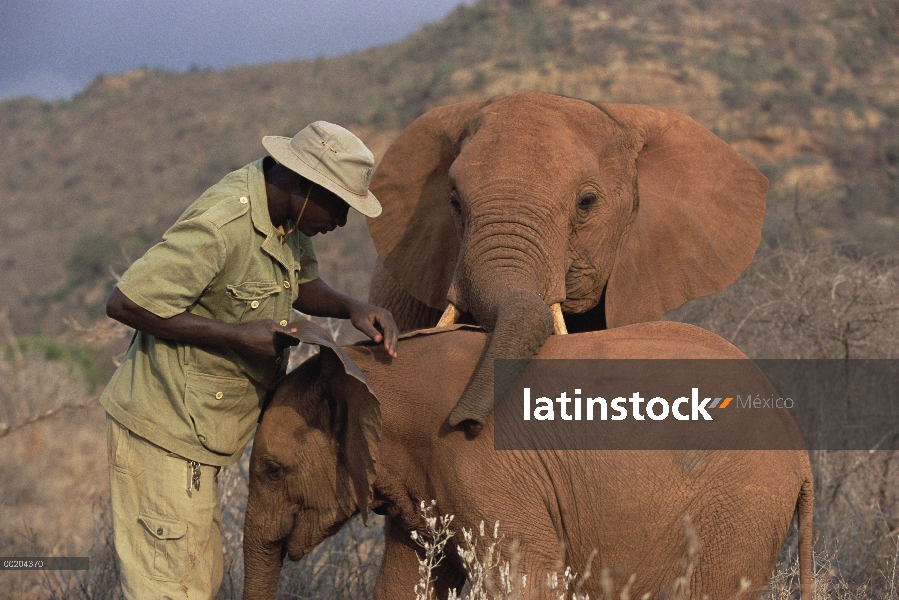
(352, 430)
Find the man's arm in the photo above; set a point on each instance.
(254, 337)
(317, 298)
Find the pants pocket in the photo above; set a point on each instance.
(119, 442)
(164, 557)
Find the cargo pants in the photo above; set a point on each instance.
(168, 539)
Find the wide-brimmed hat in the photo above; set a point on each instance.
(332, 157)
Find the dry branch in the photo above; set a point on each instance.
(6, 429)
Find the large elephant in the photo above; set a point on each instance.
(513, 208)
(351, 430)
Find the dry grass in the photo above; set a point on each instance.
(492, 574)
(491, 565)
(53, 481)
(806, 303)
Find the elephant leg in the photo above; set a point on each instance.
(399, 570)
(409, 313)
(449, 575)
(539, 551)
(537, 566)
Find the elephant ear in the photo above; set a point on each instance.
(357, 413)
(414, 235)
(698, 222)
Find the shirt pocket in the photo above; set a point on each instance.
(220, 411)
(254, 300)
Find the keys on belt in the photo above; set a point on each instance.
(193, 476)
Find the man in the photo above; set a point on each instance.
(207, 304)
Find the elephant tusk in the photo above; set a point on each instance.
(450, 315)
(558, 320)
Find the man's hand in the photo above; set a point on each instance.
(259, 338)
(317, 298)
(375, 322)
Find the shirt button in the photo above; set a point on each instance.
(287, 284)
(278, 360)
(159, 531)
(218, 395)
(244, 199)
(254, 304)
(284, 323)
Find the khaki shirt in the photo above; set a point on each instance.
(222, 260)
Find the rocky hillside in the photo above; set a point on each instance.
(807, 91)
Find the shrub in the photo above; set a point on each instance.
(822, 78)
(788, 76)
(475, 19)
(732, 66)
(857, 52)
(91, 258)
(785, 102)
(508, 64)
(739, 95)
(83, 360)
(478, 81)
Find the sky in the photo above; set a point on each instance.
(54, 48)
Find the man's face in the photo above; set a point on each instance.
(324, 211)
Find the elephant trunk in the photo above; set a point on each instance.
(523, 322)
(262, 558)
(508, 276)
(262, 565)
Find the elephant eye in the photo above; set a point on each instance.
(273, 471)
(586, 201)
(454, 202)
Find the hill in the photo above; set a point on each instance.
(807, 92)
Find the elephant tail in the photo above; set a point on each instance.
(805, 507)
